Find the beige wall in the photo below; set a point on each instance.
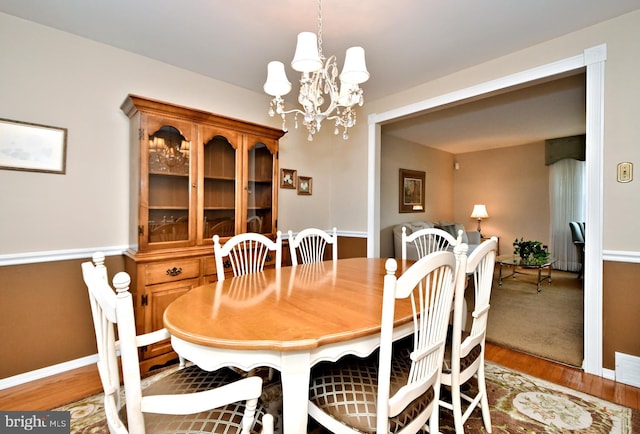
(399, 154)
(54, 78)
(622, 91)
(513, 183)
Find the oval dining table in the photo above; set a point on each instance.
(289, 319)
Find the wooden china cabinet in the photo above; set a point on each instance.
(193, 174)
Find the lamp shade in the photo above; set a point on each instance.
(306, 58)
(479, 212)
(354, 70)
(277, 83)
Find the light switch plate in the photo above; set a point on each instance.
(625, 172)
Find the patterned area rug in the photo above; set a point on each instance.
(519, 404)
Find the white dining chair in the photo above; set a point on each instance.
(310, 245)
(246, 253)
(429, 240)
(189, 398)
(395, 390)
(464, 355)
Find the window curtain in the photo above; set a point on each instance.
(568, 203)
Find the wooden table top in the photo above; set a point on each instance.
(287, 309)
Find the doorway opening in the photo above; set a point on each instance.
(593, 59)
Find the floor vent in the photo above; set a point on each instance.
(628, 369)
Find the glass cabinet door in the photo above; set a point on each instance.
(169, 187)
(261, 161)
(219, 186)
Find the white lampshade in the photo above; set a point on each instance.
(479, 212)
(277, 83)
(306, 58)
(354, 69)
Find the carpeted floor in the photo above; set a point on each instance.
(548, 324)
(519, 404)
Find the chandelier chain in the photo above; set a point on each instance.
(320, 29)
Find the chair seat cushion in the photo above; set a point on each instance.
(348, 390)
(466, 361)
(191, 379)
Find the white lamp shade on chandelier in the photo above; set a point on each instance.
(277, 83)
(320, 96)
(354, 70)
(307, 58)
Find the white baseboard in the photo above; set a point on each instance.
(609, 374)
(38, 374)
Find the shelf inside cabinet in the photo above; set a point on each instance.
(178, 175)
(168, 208)
(220, 178)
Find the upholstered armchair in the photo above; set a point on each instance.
(577, 235)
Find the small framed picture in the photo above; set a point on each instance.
(305, 184)
(411, 191)
(32, 147)
(288, 178)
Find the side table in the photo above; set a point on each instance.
(516, 261)
(484, 238)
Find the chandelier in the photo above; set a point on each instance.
(320, 96)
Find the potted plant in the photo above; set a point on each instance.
(531, 252)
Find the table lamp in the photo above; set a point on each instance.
(479, 212)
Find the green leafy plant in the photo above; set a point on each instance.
(530, 252)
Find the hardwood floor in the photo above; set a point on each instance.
(564, 375)
(61, 389)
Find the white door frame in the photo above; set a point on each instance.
(593, 59)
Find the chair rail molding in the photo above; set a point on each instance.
(58, 255)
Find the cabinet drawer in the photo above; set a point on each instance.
(171, 271)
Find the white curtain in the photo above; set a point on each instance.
(567, 195)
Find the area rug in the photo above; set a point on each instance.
(548, 324)
(519, 404)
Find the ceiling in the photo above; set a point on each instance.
(539, 111)
(407, 42)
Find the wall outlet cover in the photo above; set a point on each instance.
(625, 172)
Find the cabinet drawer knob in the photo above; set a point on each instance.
(174, 271)
(226, 264)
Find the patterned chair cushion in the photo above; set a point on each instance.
(348, 391)
(227, 419)
(466, 361)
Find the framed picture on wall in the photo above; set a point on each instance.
(305, 184)
(411, 191)
(288, 178)
(32, 147)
